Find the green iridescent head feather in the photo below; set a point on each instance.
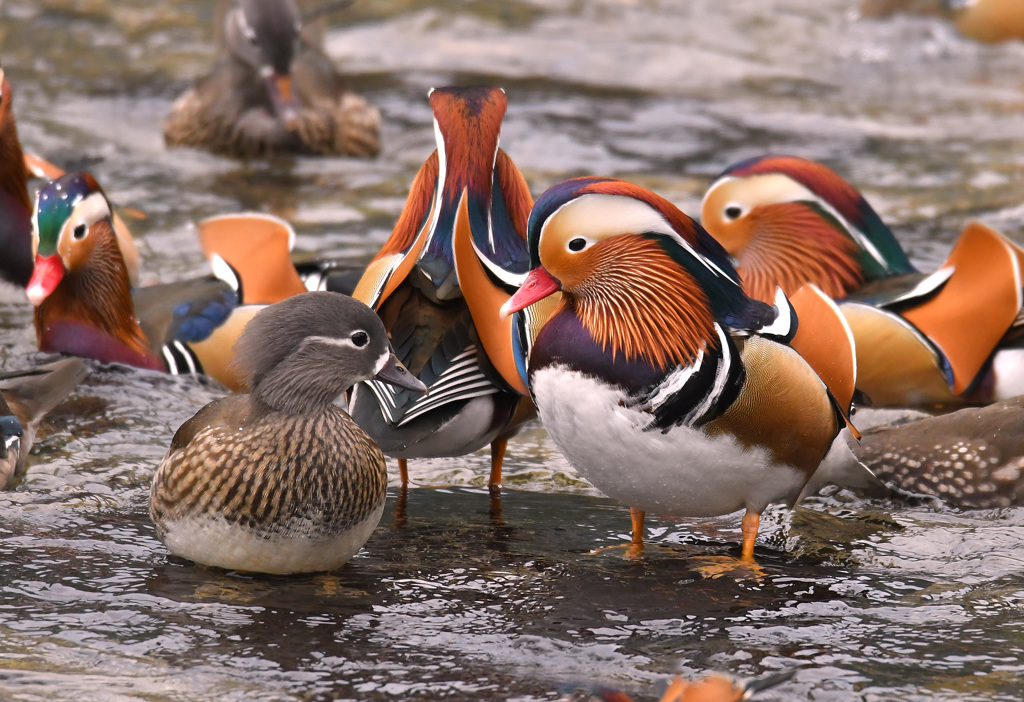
(54, 205)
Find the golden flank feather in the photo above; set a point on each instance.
(636, 300)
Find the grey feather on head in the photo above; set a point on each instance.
(297, 355)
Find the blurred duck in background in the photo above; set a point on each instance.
(271, 90)
(16, 168)
(25, 398)
(84, 303)
(945, 339)
(988, 21)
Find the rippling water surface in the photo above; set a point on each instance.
(454, 598)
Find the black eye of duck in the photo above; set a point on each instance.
(360, 339)
(577, 244)
(79, 232)
(733, 212)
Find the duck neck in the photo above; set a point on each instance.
(300, 385)
(13, 173)
(97, 295)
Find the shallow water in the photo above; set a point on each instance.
(453, 599)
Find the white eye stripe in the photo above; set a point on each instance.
(90, 210)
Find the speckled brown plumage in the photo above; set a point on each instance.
(972, 458)
(273, 474)
(282, 480)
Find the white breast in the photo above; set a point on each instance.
(218, 542)
(679, 473)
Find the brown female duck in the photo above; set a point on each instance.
(282, 480)
(272, 90)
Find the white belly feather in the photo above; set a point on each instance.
(681, 473)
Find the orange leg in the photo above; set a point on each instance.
(401, 506)
(403, 471)
(751, 522)
(636, 547)
(498, 447)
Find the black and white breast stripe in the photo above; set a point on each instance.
(462, 380)
(694, 395)
(180, 359)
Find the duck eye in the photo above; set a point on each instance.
(79, 232)
(360, 339)
(733, 212)
(577, 244)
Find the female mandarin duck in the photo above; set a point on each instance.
(281, 480)
(946, 339)
(658, 378)
(25, 398)
(16, 167)
(83, 298)
(272, 90)
(455, 256)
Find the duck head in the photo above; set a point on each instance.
(264, 35)
(302, 353)
(789, 221)
(645, 280)
(80, 275)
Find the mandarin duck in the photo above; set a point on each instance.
(456, 254)
(25, 398)
(271, 90)
(15, 206)
(657, 377)
(711, 688)
(84, 304)
(972, 458)
(16, 167)
(987, 21)
(945, 339)
(281, 480)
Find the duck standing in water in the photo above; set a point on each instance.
(457, 253)
(950, 338)
(25, 398)
(660, 380)
(282, 480)
(272, 90)
(84, 303)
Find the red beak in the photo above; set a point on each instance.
(538, 285)
(46, 276)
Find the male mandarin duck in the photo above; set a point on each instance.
(660, 380)
(272, 90)
(457, 253)
(25, 398)
(987, 21)
(16, 167)
(711, 688)
(83, 298)
(281, 480)
(15, 206)
(949, 338)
